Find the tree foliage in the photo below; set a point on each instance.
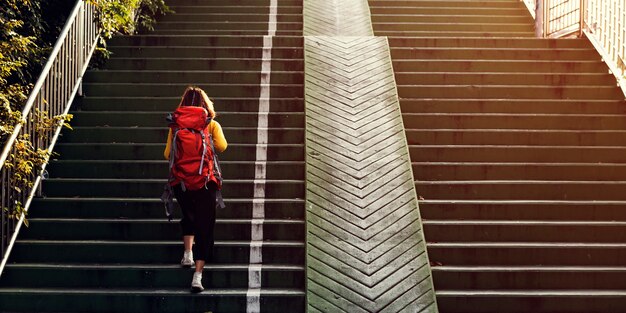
(28, 30)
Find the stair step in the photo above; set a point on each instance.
(463, 53)
(443, 9)
(536, 301)
(154, 151)
(518, 153)
(229, 32)
(230, 17)
(443, 18)
(219, 3)
(142, 208)
(150, 252)
(406, 80)
(250, 64)
(511, 106)
(203, 41)
(509, 43)
(165, 104)
(85, 187)
(522, 210)
(183, 26)
(522, 190)
(524, 231)
(529, 278)
(152, 229)
(518, 171)
(510, 92)
(516, 137)
(451, 26)
(231, 8)
(217, 89)
(375, 4)
(192, 77)
(292, 170)
(155, 118)
(526, 254)
(499, 66)
(456, 34)
(203, 52)
(144, 300)
(154, 276)
(159, 135)
(515, 121)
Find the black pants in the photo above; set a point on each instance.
(198, 220)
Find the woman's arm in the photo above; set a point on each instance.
(219, 141)
(168, 145)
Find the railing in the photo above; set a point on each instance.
(602, 21)
(562, 17)
(605, 25)
(53, 92)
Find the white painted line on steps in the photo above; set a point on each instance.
(260, 171)
(271, 29)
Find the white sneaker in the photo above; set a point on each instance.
(196, 282)
(187, 260)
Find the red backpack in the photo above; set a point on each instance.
(193, 161)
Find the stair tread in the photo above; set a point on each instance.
(114, 71)
(97, 266)
(163, 144)
(165, 127)
(599, 61)
(517, 146)
(504, 164)
(541, 268)
(160, 220)
(157, 180)
(522, 223)
(138, 199)
(486, 86)
(589, 115)
(542, 202)
(222, 113)
(549, 245)
(591, 293)
(274, 243)
(165, 161)
(513, 100)
(154, 292)
(499, 74)
(517, 130)
(181, 84)
(525, 182)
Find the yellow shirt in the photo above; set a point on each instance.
(219, 141)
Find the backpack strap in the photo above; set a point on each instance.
(204, 147)
(173, 156)
(219, 200)
(216, 163)
(168, 193)
(173, 147)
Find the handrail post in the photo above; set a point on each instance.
(583, 14)
(539, 19)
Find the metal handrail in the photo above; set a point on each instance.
(602, 22)
(54, 91)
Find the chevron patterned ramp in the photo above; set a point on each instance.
(365, 247)
(337, 18)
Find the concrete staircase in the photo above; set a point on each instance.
(99, 240)
(519, 152)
